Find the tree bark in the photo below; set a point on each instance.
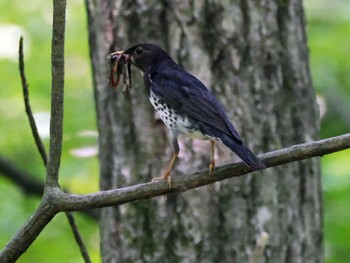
(254, 56)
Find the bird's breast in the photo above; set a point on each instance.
(176, 121)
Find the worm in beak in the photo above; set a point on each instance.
(118, 61)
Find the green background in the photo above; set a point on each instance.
(328, 35)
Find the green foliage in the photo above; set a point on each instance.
(328, 34)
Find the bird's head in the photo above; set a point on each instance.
(145, 56)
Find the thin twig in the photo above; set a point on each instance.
(38, 142)
(29, 184)
(78, 238)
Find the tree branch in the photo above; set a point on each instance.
(83, 251)
(56, 120)
(56, 201)
(27, 183)
(38, 142)
(20, 242)
(72, 202)
(37, 138)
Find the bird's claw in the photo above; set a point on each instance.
(211, 167)
(166, 176)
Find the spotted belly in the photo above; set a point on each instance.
(176, 122)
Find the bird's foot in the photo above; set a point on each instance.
(165, 176)
(211, 171)
(211, 167)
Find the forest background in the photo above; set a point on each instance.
(328, 39)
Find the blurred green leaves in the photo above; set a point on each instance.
(329, 37)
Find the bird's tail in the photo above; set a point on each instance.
(243, 152)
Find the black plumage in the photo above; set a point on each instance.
(185, 104)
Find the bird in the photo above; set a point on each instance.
(185, 105)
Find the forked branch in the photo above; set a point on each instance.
(56, 111)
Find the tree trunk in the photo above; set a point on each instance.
(254, 56)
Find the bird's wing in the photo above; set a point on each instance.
(188, 94)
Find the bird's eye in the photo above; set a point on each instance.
(139, 51)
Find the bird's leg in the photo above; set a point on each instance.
(212, 163)
(176, 150)
(167, 173)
